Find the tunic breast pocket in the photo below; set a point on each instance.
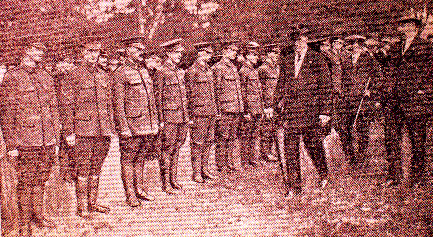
(133, 108)
(28, 95)
(86, 93)
(31, 121)
(135, 89)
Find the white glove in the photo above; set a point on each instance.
(70, 140)
(247, 117)
(126, 133)
(367, 93)
(269, 112)
(324, 119)
(57, 150)
(13, 153)
(161, 125)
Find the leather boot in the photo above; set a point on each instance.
(166, 186)
(205, 174)
(256, 151)
(128, 184)
(25, 209)
(140, 190)
(234, 156)
(81, 190)
(173, 171)
(196, 162)
(38, 207)
(93, 196)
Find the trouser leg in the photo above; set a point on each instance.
(93, 196)
(417, 133)
(24, 194)
(144, 154)
(128, 151)
(393, 137)
(314, 144)
(292, 160)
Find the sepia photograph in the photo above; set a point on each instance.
(158, 118)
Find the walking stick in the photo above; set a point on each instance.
(360, 103)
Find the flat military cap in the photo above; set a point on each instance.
(229, 44)
(38, 45)
(355, 38)
(134, 41)
(267, 48)
(204, 46)
(316, 43)
(301, 29)
(252, 47)
(173, 45)
(408, 19)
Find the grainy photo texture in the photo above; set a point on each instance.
(216, 118)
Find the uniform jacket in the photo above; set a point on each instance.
(171, 94)
(228, 87)
(201, 90)
(303, 99)
(269, 76)
(86, 102)
(356, 76)
(134, 101)
(29, 110)
(252, 89)
(410, 78)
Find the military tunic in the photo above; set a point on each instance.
(201, 102)
(230, 105)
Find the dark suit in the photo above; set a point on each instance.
(408, 95)
(355, 77)
(302, 100)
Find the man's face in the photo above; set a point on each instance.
(204, 55)
(273, 57)
(103, 61)
(325, 46)
(3, 70)
(91, 56)
(337, 45)
(252, 58)
(35, 54)
(175, 56)
(407, 28)
(135, 54)
(153, 62)
(231, 54)
(301, 43)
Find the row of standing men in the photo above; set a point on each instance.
(346, 81)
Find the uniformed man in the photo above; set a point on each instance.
(136, 118)
(306, 97)
(408, 98)
(269, 74)
(360, 82)
(252, 93)
(87, 119)
(103, 62)
(230, 105)
(173, 115)
(31, 129)
(201, 102)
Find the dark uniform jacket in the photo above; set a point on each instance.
(303, 99)
(251, 90)
(134, 101)
(410, 82)
(356, 76)
(201, 90)
(269, 76)
(29, 111)
(86, 102)
(228, 87)
(171, 94)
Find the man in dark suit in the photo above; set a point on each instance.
(172, 103)
(87, 117)
(408, 97)
(306, 97)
